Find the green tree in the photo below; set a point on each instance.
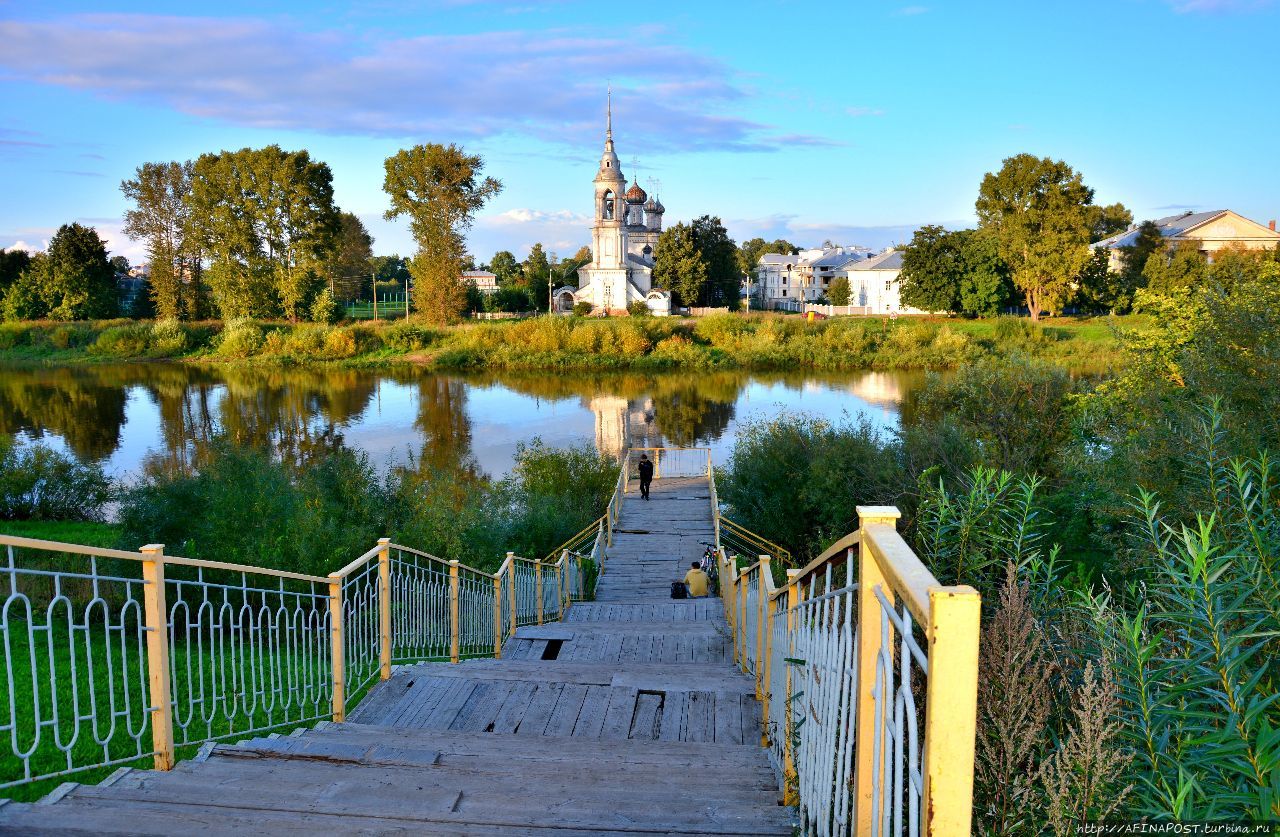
(12, 264)
(678, 266)
(119, 264)
(1181, 269)
(24, 299)
(720, 254)
(505, 267)
(439, 188)
(160, 218)
(389, 269)
(1099, 287)
(839, 291)
(79, 283)
(536, 271)
(348, 264)
(932, 270)
(265, 218)
(1106, 221)
(985, 287)
(1039, 212)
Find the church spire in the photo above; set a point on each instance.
(608, 116)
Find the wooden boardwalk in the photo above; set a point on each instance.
(628, 718)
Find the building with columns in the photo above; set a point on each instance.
(624, 233)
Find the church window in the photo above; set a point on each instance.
(608, 206)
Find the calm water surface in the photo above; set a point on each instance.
(126, 415)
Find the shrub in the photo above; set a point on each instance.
(240, 339)
(408, 336)
(583, 309)
(325, 309)
(637, 308)
(39, 483)
(306, 341)
(168, 338)
(632, 340)
(123, 341)
(339, 343)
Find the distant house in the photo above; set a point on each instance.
(873, 284)
(1211, 231)
(484, 281)
(784, 279)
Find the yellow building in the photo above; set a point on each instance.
(1211, 231)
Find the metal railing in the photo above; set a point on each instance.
(866, 669)
(111, 656)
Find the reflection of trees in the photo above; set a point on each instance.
(442, 418)
(690, 411)
(82, 405)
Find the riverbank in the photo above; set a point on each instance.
(756, 342)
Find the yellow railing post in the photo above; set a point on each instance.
(513, 607)
(560, 584)
(766, 679)
(791, 795)
(337, 649)
(537, 574)
(870, 577)
(497, 617)
(951, 709)
(159, 688)
(743, 584)
(384, 608)
(762, 608)
(454, 628)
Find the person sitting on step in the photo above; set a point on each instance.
(697, 581)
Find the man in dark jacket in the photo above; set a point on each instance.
(646, 475)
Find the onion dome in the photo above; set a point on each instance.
(658, 207)
(650, 205)
(636, 195)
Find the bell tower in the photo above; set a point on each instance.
(611, 208)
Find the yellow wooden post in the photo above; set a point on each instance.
(791, 795)
(537, 574)
(951, 709)
(497, 617)
(384, 608)
(337, 653)
(159, 692)
(766, 652)
(870, 577)
(743, 584)
(762, 606)
(511, 591)
(560, 583)
(453, 611)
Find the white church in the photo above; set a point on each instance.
(624, 233)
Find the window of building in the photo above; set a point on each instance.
(784, 291)
(608, 206)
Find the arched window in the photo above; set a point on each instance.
(608, 205)
(647, 250)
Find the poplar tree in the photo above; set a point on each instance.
(351, 259)
(160, 217)
(440, 189)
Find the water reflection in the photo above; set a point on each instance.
(164, 415)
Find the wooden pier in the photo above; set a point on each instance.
(629, 717)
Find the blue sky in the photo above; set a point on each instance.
(855, 121)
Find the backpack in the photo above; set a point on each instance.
(678, 590)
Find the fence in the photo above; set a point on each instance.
(111, 656)
(386, 307)
(867, 682)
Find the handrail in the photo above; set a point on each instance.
(595, 524)
(830, 554)
(101, 552)
(357, 563)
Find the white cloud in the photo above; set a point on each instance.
(270, 74)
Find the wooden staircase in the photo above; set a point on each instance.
(627, 718)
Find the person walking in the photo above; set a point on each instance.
(646, 476)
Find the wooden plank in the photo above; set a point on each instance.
(617, 718)
(671, 724)
(565, 715)
(540, 707)
(644, 724)
(591, 716)
(699, 718)
(728, 718)
(514, 707)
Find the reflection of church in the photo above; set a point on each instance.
(624, 233)
(622, 424)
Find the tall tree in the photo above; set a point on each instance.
(505, 267)
(678, 266)
(932, 270)
(160, 217)
(720, 254)
(1039, 212)
(439, 188)
(1106, 221)
(12, 264)
(536, 271)
(80, 283)
(266, 219)
(119, 264)
(839, 292)
(985, 287)
(348, 265)
(1181, 269)
(750, 251)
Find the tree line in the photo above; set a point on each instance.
(255, 233)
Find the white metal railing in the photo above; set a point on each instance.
(112, 655)
(671, 463)
(866, 669)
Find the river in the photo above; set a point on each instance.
(128, 415)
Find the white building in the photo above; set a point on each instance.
(783, 278)
(484, 281)
(624, 233)
(873, 284)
